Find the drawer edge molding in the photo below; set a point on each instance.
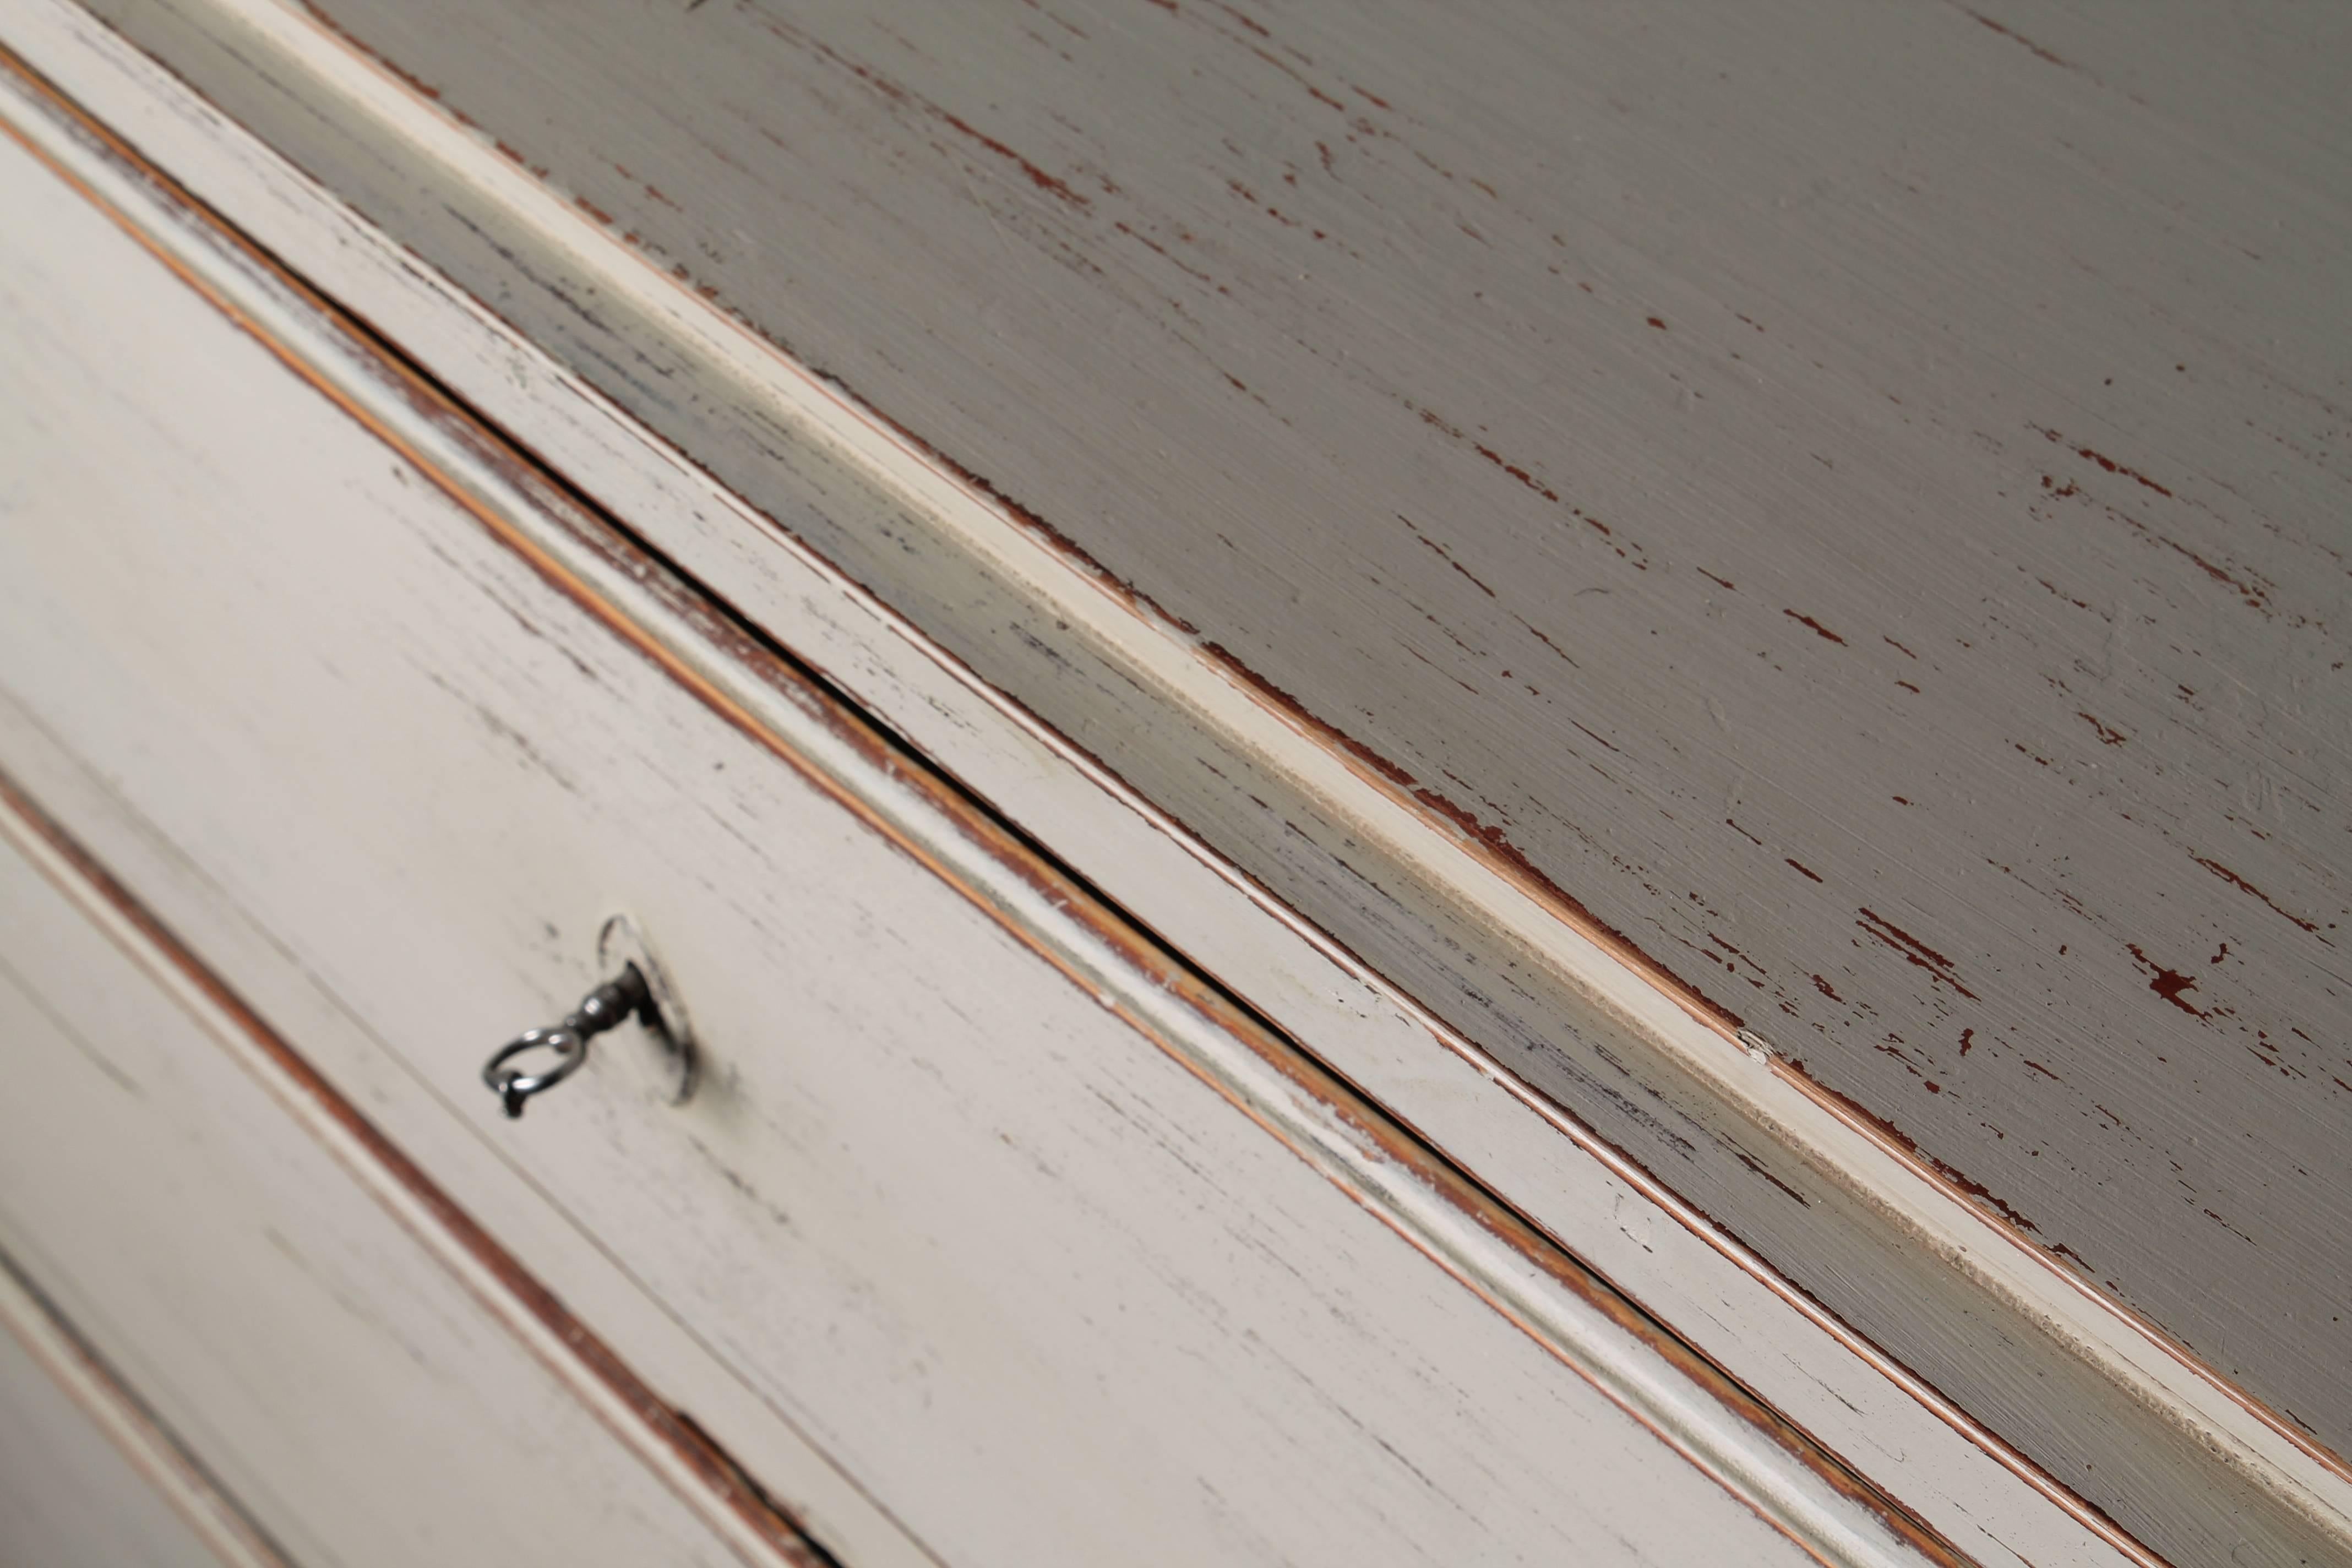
(1483, 1242)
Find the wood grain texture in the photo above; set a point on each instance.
(1606, 1213)
(886, 1207)
(1501, 1007)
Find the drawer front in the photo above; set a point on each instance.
(946, 1198)
(360, 1403)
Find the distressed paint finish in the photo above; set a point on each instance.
(1849, 496)
(886, 1205)
(1511, 1013)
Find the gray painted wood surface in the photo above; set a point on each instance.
(1850, 495)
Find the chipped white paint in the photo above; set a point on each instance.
(2152, 1378)
(1028, 1276)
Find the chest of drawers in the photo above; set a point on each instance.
(1053, 1183)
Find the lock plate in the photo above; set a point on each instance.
(664, 1060)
